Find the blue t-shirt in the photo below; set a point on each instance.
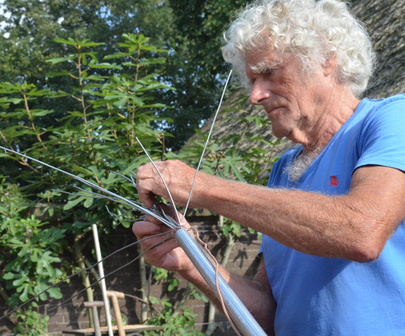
(330, 296)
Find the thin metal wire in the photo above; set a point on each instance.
(116, 270)
(128, 179)
(95, 195)
(84, 270)
(123, 220)
(117, 198)
(170, 222)
(163, 180)
(92, 185)
(206, 144)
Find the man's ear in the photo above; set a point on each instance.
(330, 65)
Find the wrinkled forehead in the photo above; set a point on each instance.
(259, 60)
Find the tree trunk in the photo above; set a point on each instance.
(85, 277)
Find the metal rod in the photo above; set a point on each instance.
(238, 312)
(102, 281)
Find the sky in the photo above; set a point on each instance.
(2, 24)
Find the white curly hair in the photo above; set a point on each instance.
(312, 30)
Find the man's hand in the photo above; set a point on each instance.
(178, 177)
(167, 255)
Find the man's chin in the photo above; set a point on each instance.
(279, 132)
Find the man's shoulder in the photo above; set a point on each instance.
(391, 108)
(371, 111)
(381, 136)
(386, 100)
(389, 102)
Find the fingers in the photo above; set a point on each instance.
(151, 219)
(155, 255)
(151, 226)
(170, 210)
(168, 254)
(145, 184)
(178, 178)
(146, 229)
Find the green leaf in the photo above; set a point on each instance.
(251, 231)
(160, 273)
(51, 212)
(70, 41)
(121, 102)
(88, 202)
(55, 293)
(182, 332)
(8, 276)
(40, 113)
(61, 94)
(149, 61)
(173, 284)
(95, 65)
(79, 43)
(15, 100)
(60, 60)
(154, 300)
(73, 203)
(49, 257)
(96, 77)
(24, 294)
(238, 174)
(34, 256)
(117, 55)
(20, 281)
(165, 303)
(58, 74)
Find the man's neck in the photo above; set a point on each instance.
(335, 112)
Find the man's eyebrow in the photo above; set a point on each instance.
(262, 66)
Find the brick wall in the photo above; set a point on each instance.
(72, 315)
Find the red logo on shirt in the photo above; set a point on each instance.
(333, 181)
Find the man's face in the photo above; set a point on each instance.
(292, 99)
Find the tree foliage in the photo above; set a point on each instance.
(93, 141)
(190, 30)
(32, 25)
(197, 69)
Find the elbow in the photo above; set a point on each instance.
(368, 250)
(369, 238)
(366, 254)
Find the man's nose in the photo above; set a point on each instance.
(259, 93)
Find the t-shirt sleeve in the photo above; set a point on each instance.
(382, 141)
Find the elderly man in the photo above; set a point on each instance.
(333, 251)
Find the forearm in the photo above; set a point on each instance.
(311, 223)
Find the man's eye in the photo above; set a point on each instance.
(269, 71)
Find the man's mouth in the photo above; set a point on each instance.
(273, 109)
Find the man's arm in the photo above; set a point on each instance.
(355, 226)
(256, 295)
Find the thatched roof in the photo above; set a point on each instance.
(385, 21)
